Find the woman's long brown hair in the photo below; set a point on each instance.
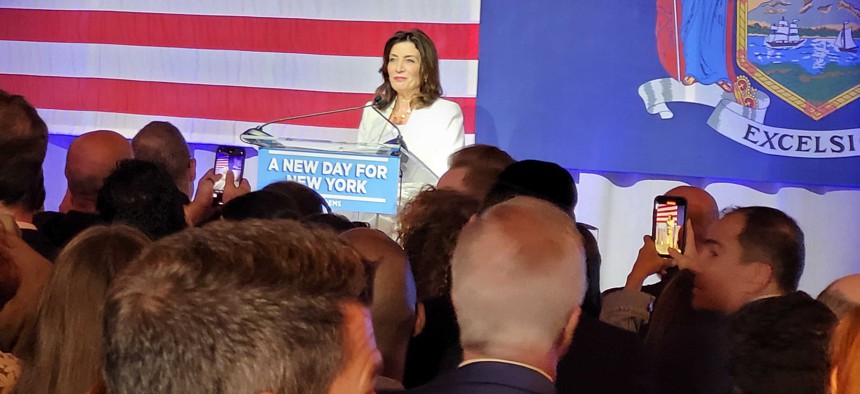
(430, 88)
(64, 355)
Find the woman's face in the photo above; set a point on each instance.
(404, 68)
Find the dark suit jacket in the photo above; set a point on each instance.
(437, 349)
(488, 377)
(62, 227)
(602, 359)
(41, 244)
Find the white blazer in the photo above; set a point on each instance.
(432, 133)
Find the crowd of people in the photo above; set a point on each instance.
(141, 284)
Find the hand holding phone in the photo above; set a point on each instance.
(686, 260)
(228, 159)
(647, 263)
(668, 228)
(234, 188)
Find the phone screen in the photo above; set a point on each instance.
(229, 159)
(668, 227)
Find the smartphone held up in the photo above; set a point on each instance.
(227, 158)
(667, 225)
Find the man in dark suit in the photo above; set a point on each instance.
(91, 158)
(517, 294)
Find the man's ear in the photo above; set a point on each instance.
(66, 204)
(569, 328)
(192, 169)
(760, 276)
(420, 319)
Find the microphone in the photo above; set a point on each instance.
(377, 101)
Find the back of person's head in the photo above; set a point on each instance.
(393, 307)
(518, 280)
(308, 201)
(331, 221)
(22, 130)
(481, 155)
(25, 194)
(702, 210)
(684, 348)
(780, 345)
(260, 204)
(64, 354)
(163, 144)
(534, 178)
(91, 158)
(672, 309)
(593, 299)
(843, 295)
(428, 227)
(475, 169)
(233, 308)
(23, 144)
(845, 351)
(141, 194)
(770, 236)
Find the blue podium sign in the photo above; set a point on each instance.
(348, 181)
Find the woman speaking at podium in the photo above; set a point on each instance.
(432, 127)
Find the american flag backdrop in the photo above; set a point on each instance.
(215, 68)
(664, 211)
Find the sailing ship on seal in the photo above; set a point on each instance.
(844, 41)
(784, 35)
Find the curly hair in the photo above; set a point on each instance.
(142, 195)
(428, 230)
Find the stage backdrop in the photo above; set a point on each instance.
(573, 83)
(728, 89)
(216, 68)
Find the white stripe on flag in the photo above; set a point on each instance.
(208, 131)
(432, 11)
(343, 74)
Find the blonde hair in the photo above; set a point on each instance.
(845, 353)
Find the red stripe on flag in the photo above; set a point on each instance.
(322, 37)
(195, 101)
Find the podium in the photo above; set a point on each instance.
(352, 177)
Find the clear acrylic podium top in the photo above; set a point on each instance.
(414, 174)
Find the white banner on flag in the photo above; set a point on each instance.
(745, 125)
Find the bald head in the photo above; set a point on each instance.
(842, 295)
(701, 209)
(393, 305)
(91, 158)
(518, 278)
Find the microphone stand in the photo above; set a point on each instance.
(378, 101)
